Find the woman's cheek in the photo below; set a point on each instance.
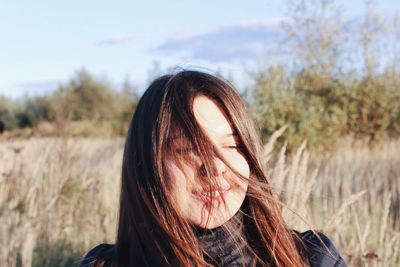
(238, 163)
(178, 183)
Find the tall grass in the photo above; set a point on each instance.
(351, 194)
(56, 191)
(59, 197)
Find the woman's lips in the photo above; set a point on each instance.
(214, 195)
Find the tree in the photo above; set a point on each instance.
(315, 34)
(7, 116)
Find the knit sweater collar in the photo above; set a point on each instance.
(224, 248)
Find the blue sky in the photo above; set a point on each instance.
(43, 43)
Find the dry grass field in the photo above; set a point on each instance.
(59, 197)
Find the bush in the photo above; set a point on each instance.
(7, 117)
(322, 109)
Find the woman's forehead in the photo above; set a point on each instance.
(211, 118)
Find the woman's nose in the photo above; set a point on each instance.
(219, 168)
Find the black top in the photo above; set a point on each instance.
(223, 249)
(318, 254)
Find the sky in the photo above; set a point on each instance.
(44, 43)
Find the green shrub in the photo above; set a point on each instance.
(7, 116)
(322, 109)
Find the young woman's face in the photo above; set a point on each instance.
(192, 198)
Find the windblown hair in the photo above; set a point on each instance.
(150, 232)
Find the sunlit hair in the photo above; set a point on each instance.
(150, 231)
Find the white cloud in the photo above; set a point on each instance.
(115, 40)
(244, 40)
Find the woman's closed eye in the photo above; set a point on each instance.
(233, 146)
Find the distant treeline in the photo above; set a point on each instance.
(322, 109)
(318, 108)
(343, 79)
(85, 106)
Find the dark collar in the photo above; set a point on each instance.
(225, 245)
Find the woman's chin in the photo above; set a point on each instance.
(217, 212)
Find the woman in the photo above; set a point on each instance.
(194, 191)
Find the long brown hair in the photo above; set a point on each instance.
(150, 232)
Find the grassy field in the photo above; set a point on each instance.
(59, 197)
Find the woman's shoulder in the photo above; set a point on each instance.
(321, 250)
(103, 251)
